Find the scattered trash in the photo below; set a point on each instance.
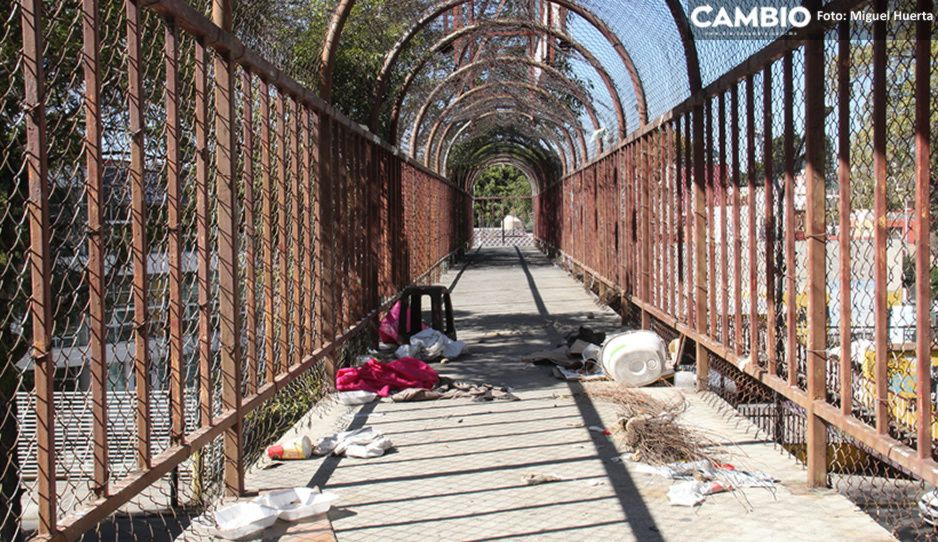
(363, 443)
(431, 344)
(243, 520)
(635, 358)
(586, 334)
(598, 429)
(587, 373)
(300, 448)
(297, 503)
(578, 360)
(382, 378)
(538, 478)
(454, 389)
(356, 397)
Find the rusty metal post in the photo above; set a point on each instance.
(229, 306)
(751, 201)
(309, 261)
(923, 291)
(325, 302)
(283, 246)
(816, 226)
(40, 259)
(267, 236)
(724, 249)
(791, 316)
(138, 213)
(94, 189)
(880, 232)
(700, 247)
(710, 199)
(177, 377)
(737, 225)
(771, 322)
(296, 218)
(203, 230)
(250, 236)
(845, 233)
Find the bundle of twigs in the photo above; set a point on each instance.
(648, 427)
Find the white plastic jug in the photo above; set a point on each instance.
(635, 358)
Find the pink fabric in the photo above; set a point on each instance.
(387, 329)
(382, 378)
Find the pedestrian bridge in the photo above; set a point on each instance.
(208, 205)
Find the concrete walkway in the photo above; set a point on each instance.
(457, 472)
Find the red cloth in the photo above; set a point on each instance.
(381, 378)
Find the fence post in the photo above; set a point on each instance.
(700, 247)
(226, 190)
(40, 259)
(815, 225)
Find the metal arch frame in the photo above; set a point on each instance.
(435, 11)
(549, 118)
(690, 45)
(336, 25)
(517, 154)
(495, 85)
(549, 140)
(378, 98)
(329, 45)
(576, 91)
(503, 159)
(558, 148)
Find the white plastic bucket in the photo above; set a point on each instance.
(635, 358)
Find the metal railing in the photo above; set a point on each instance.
(780, 218)
(227, 232)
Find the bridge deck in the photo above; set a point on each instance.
(457, 470)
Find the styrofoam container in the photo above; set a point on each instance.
(635, 358)
(243, 519)
(297, 503)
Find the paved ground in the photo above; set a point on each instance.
(457, 472)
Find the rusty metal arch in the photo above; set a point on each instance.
(562, 123)
(329, 44)
(549, 137)
(690, 46)
(575, 89)
(503, 159)
(550, 140)
(516, 155)
(585, 14)
(378, 97)
(482, 88)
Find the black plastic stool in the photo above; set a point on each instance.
(410, 320)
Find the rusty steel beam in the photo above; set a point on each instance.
(250, 234)
(923, 293)
(880, 233)
(816, 229)
(791, 317)
(687, 41)
(267, 235)
(378, 97)
(138, 215)
(203, 231)
(845, 234)
(39, 260)
(174, 192)
(737, 225)
(771, 321)
(94, 188)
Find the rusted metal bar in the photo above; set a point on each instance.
(816, 229)
(643, 185)
(680, 171)
(700, 249)
(203, 229)
(923, 293)
(791, 318)
(844, 235)
(94, 189)
(40, 260)
(267, 236)
(691, 218)
(710, 197)
(880, 233)
(138, 216)
(737, 225)
(283, 245)
(229, 303)
(771, 321)
(250, 234)
(177, 377)
(751, 201)
(309, 217)
(296, 234)
(724, 258)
